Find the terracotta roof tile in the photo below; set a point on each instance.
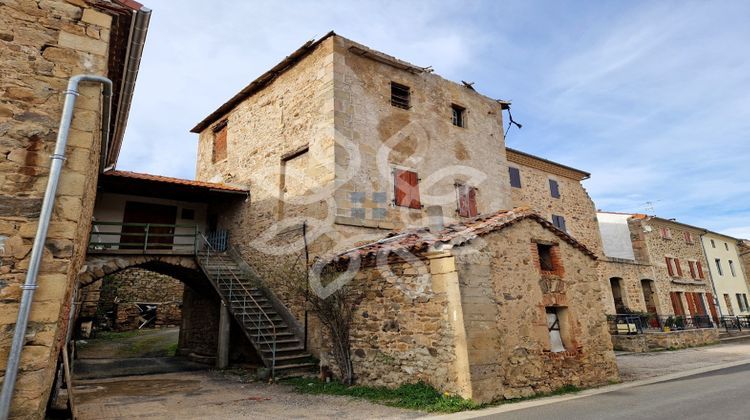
(179, 181)
(420, 239)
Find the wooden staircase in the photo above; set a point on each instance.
(277, 342)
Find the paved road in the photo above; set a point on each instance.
(722, 394)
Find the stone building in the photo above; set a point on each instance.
(654, 265)
(555, 191)
(343, 146)
(727, 273)
(42, 45)
(499, 306)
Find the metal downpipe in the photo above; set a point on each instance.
(30, 285)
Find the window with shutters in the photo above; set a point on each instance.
(459, 115)
(691, 265)
(559, 222)
(676, 298)
(400, 96)
(688, 237)
(699, 267)
(718, 266)
(554, 189)
(219, 151)
(670, 267)
(665, 233)
(515, 177)
(467, 200)
(678, 267)
(406, 189)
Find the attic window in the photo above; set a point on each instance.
(545, 257)
(400, 96)
(459, 115)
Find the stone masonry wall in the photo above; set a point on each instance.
(374, 137)
(574, 204)
(665, 340)
(42, 44)
(630, 274)
(504, 295)
(121, 291)
(648, 237)
(401, 332)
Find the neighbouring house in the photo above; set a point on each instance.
(556, 192)
(727, 273)
(42, 45)
(656, 267)
(743, 248)
(343, 146)
(503, 305)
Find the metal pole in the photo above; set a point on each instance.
(30, 285)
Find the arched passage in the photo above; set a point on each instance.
(615, 285)
(200, 303)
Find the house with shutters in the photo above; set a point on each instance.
(727, 273)
(345, 148)
(657, 267)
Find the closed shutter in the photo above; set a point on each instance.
(472, 202)
(515, 177)
(691, 303)
(691, 264)
(700, 270)
(554, 189)
(220, 144)
(679, 267)
(406, 186)
(676, 303)
(712, 308)
(670, 270)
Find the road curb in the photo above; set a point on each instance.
(586, 393)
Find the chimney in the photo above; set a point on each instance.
(435, 218)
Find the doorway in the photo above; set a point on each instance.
(649, 299)
(139, 214)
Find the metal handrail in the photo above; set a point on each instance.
(247, 294)
(98, 243)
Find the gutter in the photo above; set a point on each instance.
(37, 249)
(138, 31)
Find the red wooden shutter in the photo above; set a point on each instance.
(679, 267)
(676, 303)
(691, 264)
(691, 303)
(669, 266)
(700, 270)
(472, 202)
(406, 186)
(712, 307)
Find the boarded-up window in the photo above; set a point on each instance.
(219, 151)
(400, 96)
(467, 200)
(406, 189)
(515, 177)
(554, 189)
(559, 222)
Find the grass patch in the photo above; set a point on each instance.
(419, 396)
(112, 335)
(172, 350)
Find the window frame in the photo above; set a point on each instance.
(458, 115)
(400, 99)
(559, 222)
(718, 266)
(554, 188)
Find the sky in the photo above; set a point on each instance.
(651, 98)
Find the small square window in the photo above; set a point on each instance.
(515, 177)
(188, 214)
(459, 115)
(400, 96)
(545, 257)
(554, 189)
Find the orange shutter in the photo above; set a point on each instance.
(676, 303)
(669, 266)
(691, 264)
(691, 303)
(700, 270)
(712, 307)
(406, 189)
(679, 268)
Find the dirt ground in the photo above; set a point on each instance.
(211, 394)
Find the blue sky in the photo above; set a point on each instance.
(652, 98)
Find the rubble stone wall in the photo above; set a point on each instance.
(43, 44)
(504, 298)
(672, 340)
(630, 274)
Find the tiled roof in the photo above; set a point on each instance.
(420, 239)
(179, 181)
